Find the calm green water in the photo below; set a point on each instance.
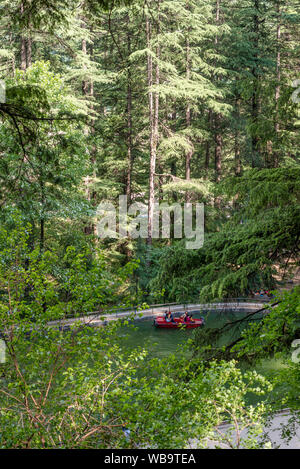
(162, 342)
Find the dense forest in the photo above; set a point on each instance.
(168, 101)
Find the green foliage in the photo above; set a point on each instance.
(276, 331)
(92, 92)
(77, 388)
(262, 230)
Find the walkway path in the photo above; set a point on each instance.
(100, 319)
(273, 431)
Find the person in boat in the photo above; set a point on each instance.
(169, 316)
(184, 316)
(187, 317)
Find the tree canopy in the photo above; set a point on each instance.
(163, 101)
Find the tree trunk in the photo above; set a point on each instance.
(84, 85)
(189, 152)
(278, 77)
(26, 48)
(129, 120)
(237, 152)
(153, 99)
(254, 100)
(207, 148)
(218, 118)
(23, 46)
(88, 90)
(23, 64)
(218, 149)
(29, 52)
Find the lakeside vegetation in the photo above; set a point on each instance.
(182, 101)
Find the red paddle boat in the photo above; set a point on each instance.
(177, 322)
